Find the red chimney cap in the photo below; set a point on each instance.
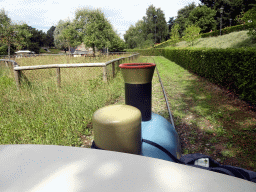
(136, 65)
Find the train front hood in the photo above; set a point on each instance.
(36, 168)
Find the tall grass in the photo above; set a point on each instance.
(42, 114)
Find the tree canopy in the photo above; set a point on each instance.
(91, 27)
(155, 26)
(191, 33)
(232, 9)
(174, 35)
(250, 19)
(182, 17)
(203, 17)
(50, 36)
(12, 34)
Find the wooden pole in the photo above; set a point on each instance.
(113, 69)
(17, 78)
(118, 63)
(58, 77)
(105, 78)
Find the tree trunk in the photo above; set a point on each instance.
(9, 50)
(69, 51)
(93, 47)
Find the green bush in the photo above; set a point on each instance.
(226, 30)
(4, 50)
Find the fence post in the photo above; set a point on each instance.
(118, 63)
(105, 78)
(17, 78)
(113, 69)
(58, 77)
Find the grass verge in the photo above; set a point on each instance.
(208, 119)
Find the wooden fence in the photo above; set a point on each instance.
(18, 69)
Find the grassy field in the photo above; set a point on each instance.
(208, 119)
(42, 114)
(233, 40)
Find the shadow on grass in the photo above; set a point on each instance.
(250, 42)
(223, 125)
(210, 119)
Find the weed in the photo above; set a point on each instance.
(220, 131)
(228, 153)
(213, 140)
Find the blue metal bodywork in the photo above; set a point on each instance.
(160, 131)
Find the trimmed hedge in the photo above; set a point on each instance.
(147, 52)
(226, 30)
(232, 68)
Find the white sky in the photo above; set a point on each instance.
(42, 14)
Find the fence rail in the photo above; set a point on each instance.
(61, 54)
(18, 69)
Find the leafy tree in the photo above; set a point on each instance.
(117, 44)
(182, 17)
(69, 35)
(95, 30)
(192, 34)
(155, 24)
(250, 19)
(232, 9)
(58, 40)
(170, 24)
(50, 36)
(203, 17)
(12, 34)
(134, 36)
(131, 38)
(174, 35)
(35, 41)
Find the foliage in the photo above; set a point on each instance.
(117, 44)
(135, 36)
(58, 40)
(154, 23)
(232, 10)
(170, 23)
(182, 18)
(4, 50)
(152, 29)
(175, 36)
(34, 41)
(69, 35)
(50, 37)
(203, 17)
(20, 36)
(12, 34)
(250, 19)
(192, 33)
(95, 30)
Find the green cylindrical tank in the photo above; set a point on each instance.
(118, 128)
